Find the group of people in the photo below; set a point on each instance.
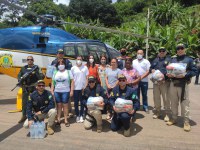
(123, 78)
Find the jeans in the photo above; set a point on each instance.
(77, 98)
(120, 120)
(144, 87)
(62, 97)
(197, 76)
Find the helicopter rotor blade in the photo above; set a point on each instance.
(110, 30)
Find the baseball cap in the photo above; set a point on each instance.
(162, 49)
(40, 81)
(180, 46)
(121, 76)
(59, 51)
(91, 78)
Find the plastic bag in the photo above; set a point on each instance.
(157, 76)
(50, 70)
(176, 68)
(123, 105)
(93, 103)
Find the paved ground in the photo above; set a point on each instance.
(147, 134)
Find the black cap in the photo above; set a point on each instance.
(40, 81)
(121, 76)
(180, 46)
(60, 51)
(162, 49)
(91, 78)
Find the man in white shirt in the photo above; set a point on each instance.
(142, 66)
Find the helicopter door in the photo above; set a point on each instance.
(82, 50)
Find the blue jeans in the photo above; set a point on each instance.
(197, 76)
(144, 87)
(120, 120)
(77, 98)
(61, 97)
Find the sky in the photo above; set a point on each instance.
(67, 1)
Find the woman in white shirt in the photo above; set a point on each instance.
(80, 73)
(62, 81)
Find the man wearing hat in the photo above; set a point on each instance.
(121, 59)
(60, 56)
(125, 92)
(94, 116)
(161, 87)
(28, 85)
(178, 89)
(41, 105)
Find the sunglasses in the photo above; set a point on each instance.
(30, 59)
(91, 81)
(122, 80)
(179, 49)
(162, 51)
(42, 85)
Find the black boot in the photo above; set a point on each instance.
(23, 118)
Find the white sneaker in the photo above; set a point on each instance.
(81, 119)
(166, 119)
(77, 119)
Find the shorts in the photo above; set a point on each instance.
(61, 97)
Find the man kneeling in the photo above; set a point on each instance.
(41, 105)
(93, 111)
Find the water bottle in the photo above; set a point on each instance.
(41, 130)
(32, 131)
(36, 130)
(50, 70)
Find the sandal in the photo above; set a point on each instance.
(67, 124)
(57, 124)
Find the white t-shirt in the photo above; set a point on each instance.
(62, 80)
(142, 67)
(79, 74)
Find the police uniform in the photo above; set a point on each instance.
(123, 119)
(28, 86)
(161, 88)
(93, 116)
(41, 102)
(179, 90)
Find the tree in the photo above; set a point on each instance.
(93, 9)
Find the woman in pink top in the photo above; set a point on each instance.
(131, 74)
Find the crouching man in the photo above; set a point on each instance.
(122, 119)
(94, 116)
(41, 105)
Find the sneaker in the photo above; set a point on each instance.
(81, 119)
(156, 116)
(147, 110)
(127, 132)
(23, 118)
(166, 119)
(187, 127)
(50, 130)
(77, 119)
(171, 122)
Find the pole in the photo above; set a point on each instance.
(147, 39)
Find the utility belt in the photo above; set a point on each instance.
(180, 83)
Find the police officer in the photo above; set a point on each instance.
(123, 119)
(178, 89)
(60, 56)
(28, 86)
(92, 116)
(41, 105)
(161, 87)
(197, 61)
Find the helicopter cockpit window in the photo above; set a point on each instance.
(69, 50)
(114, 53)
(82, 50)
(43, 39)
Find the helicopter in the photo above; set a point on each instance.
(43, 40)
